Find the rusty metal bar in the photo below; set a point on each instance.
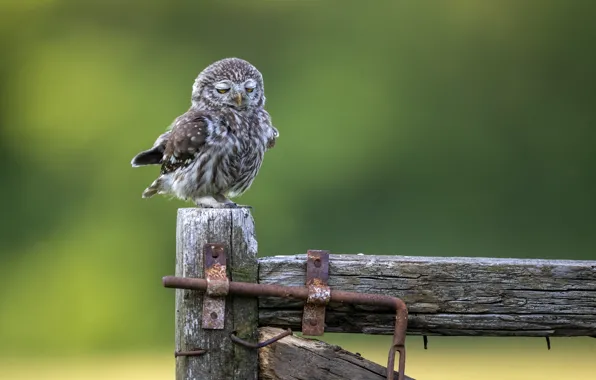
(265, 343)
(189, 353)
(300, 292)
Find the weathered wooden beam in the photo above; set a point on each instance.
(293, 358)
(223, 360)
(446, 296)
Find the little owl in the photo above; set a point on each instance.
(214, 151)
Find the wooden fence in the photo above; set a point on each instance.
(444, 296)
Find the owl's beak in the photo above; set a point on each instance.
(238, 98)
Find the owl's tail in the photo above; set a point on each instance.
(153, 189)
(152, 156)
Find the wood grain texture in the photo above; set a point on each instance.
(295, 358)
(446, 296)
(224, 360)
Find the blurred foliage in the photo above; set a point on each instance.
(461, 128)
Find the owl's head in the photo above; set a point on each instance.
(230, 82)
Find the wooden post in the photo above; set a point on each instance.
(224, 360)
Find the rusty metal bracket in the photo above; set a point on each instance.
(247, 289)
(315, 293)
(317, 277)
(218, 286)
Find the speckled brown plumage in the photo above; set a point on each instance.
(214, 151)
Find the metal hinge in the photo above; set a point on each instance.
(319, 293)
(218, 286)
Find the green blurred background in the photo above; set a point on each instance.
(456, 128)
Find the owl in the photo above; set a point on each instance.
(214, 151)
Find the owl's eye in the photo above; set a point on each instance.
(250, 89)
(223, 90)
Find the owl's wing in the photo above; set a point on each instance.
(272, 138)
(187, 138)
